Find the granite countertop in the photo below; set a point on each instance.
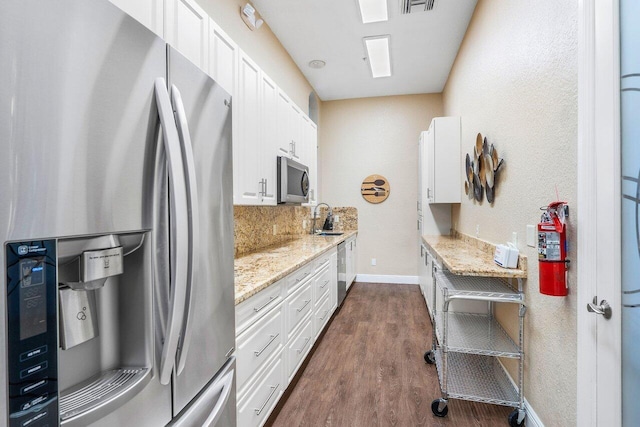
(465, 255)
(255, 271)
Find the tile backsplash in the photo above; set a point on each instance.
(257, 227)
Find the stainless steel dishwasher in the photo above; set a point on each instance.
(342, 272)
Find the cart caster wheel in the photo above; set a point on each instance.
(440, 403)
(513, 419)
(429, 357)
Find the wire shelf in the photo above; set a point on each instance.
(473, 287)
(476, 334)
(476, 378)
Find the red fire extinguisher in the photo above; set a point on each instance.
(552, 250)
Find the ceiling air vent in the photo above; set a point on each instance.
(413, 6)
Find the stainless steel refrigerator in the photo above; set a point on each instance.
(116, 224)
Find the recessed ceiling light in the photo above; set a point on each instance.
(373, 10)
(317, 63)
(377, 48)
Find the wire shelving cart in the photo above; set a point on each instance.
(466, 346)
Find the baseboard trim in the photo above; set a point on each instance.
(531, 419)
(383, 278)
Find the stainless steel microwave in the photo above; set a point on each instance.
(293, 181)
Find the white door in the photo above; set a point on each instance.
(608, 187)
(283, 118)
(223, 58)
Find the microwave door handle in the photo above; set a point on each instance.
(193, 212)
(178, 231)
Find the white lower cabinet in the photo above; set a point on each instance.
(321, 315)
(256, 344)
(298, 306)
(255, 405)
(275, 331)
(298, 347)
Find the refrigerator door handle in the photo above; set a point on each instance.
(201, 407)
(193, 212)
(178, 231)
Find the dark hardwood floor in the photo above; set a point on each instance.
(369, 370)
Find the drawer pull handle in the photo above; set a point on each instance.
(306, 341)
(325, 313)
(306, 303)
(300, 278)
(271, 298)
(325, 284)
(273, 390)
(273, 337)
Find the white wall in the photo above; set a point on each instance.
(515, 80)
(361, 137)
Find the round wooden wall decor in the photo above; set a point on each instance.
(375, 189)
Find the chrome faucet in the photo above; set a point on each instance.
(315, 211)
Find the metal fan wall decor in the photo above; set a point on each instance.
(481, 171)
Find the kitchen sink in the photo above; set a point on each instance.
(330, 233)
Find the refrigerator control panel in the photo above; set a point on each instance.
(32, 333)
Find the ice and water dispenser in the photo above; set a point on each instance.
(80, 333)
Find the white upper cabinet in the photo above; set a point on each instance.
(223, 58)
(268, 140)
(248, 184)
(313, 163)
(284, 146)
(187, 30)
(148, 12)
(442, 160)
(295, 123)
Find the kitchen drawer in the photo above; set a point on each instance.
(256, 405)
(321, 315)
(258, 343)
(321, 284)
(298, 348)
(298, 306)
(323, 260)
(300, 276)
(257, 306)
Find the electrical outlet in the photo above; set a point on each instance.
(514, 238)
(477, 230)
(336, 218)
(531, 236)
(275, 229)
(373, 261)
(304, 224)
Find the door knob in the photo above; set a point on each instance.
(604, 308)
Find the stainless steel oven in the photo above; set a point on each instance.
(293, 181)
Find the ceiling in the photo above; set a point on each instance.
(423, 44)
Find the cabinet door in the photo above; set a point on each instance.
(296, 132)
(247, 179)
(429, 154)
(268, 141)
(187, 29)
(312, 147)
(349, 262)
(284, 140)
(444, 175)
(223, 58)
(150, 13)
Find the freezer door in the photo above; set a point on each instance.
(209, 340)
(215, 406)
